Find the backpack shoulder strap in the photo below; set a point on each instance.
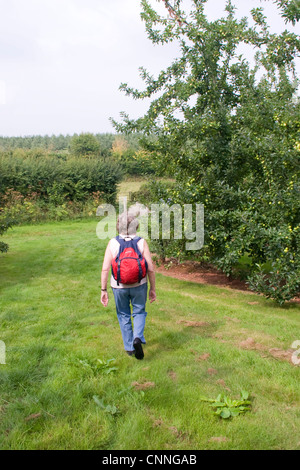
(122, 243)
(135, 241)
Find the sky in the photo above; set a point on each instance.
(62, 61)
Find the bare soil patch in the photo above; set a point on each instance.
(172, 375)
(277, 353)
(142, 386)
(211, 371)
(223, 384)
(203, 357)
(158, 422)
(194, 271)
(282, 354)
(250, 343)
(193, 323)
(179, 434)
(200, 357)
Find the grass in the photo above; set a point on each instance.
(130, 185)
(55, 330)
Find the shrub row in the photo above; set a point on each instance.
(56, 180)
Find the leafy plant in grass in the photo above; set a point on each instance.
(111, 409)
(99, 366)
(227, 408)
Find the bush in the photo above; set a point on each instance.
(281, 284)
(27, 209)
(153, 192)
(56, 180)
(43, 187)
(5, 224)
(137, 163)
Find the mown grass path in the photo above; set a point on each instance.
(198, 345)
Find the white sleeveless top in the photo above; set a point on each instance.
(114, 247)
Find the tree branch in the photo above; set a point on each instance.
(173, 13)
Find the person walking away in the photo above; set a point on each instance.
(135, 293)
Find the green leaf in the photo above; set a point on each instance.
(111, 369)
(98, 402)
(229, 402)
(225, 414)
(111, 409)
(244, 395)
(208, 400)
(217, 404)
(110, 360)
(114, 410)
(244, 408)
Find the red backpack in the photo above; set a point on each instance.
(129, 266)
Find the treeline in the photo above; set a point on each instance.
(55, 143)
(125, 151)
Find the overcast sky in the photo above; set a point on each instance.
(62, 61)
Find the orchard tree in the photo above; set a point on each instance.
(290, 10)
(229, 133)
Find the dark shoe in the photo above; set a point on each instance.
(130, 353)
(137, 344)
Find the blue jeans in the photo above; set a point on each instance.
(137, 296)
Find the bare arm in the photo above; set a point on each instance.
(151, 272)
(104, 275)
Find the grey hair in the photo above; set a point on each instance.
(127, 224)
